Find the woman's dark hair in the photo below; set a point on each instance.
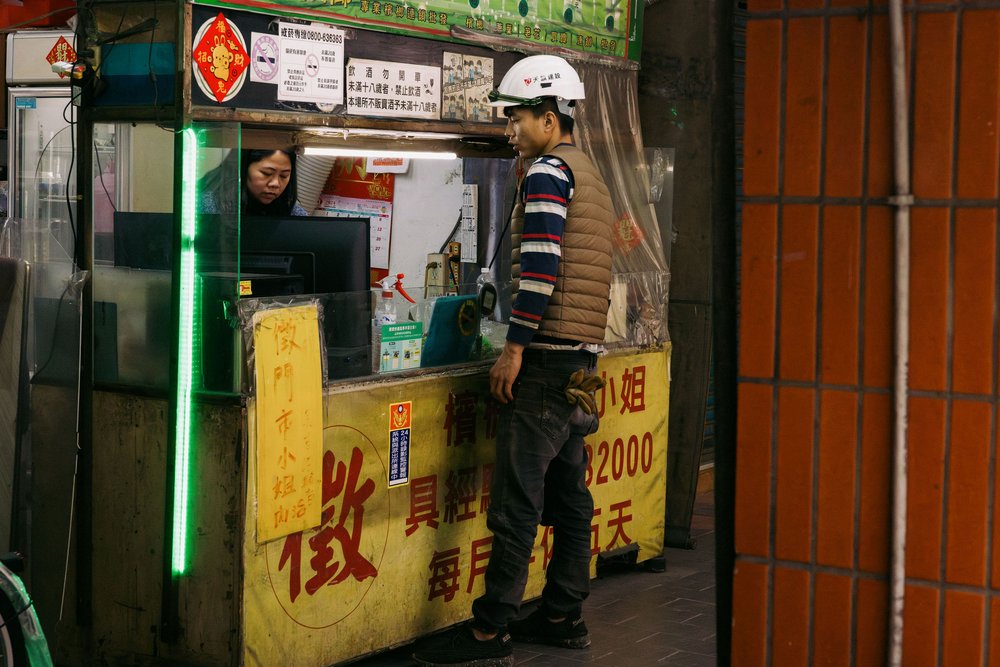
(283, 204)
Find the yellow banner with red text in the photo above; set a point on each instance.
(402, 547)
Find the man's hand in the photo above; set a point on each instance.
(505, 371)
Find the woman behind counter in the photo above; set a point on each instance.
(267, 185)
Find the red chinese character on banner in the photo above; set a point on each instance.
(423, 503)
(490, 416)
(634, 390)
(481, 550)
(221, 58)
(340, 481)
(595, 534)
(444, 567)
(618, 523)
(343, 485)
(461, 492)
(607, 390)
(62, 52)
(460, 418)
(484, 501)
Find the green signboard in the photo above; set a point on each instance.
(598, 27)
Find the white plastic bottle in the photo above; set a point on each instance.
(385, 313)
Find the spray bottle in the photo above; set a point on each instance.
(385, 313)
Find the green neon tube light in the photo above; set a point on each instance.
(186, 340)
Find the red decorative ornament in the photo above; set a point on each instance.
(62, 52)
(221, 58)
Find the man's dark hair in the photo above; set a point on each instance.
(281, 205)
(538, 110)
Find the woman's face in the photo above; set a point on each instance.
(267, 178)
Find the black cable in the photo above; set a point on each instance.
(69, 173)
(38, 168)
(55, 327)
(496, 251)
(100, 176)
(451, 234)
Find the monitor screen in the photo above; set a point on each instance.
(281, 256)
(330, 253)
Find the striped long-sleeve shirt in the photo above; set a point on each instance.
(546, 192)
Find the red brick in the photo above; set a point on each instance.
(929, 240)
(925, 478)
(872, 628)
(749, 614)
(934, 105)
(753, 474)
(838, 424)
(758, 275)
(803, 94)
(995, 531)
(968, 493)
(920, 618)
(974, 298)
(762, 110)
(844, 115)
(797, 344)
(841, 291)
(832, 625)
(790, 627)
(874, 522)
(804, 4)
(880, 142)
(979, 112)
(793, 504)
(878, 287)
(962, 635)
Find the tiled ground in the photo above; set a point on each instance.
(637, 618)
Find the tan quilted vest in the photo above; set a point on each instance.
(578, 308)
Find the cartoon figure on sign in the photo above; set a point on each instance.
(221, 58)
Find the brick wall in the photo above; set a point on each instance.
(814, 452)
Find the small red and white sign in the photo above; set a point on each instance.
(61, 52)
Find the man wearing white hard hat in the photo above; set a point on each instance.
(545, 377)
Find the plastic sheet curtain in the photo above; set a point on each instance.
(608, 129)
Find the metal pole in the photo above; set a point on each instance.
(902, 200)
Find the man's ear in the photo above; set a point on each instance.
(551, 121)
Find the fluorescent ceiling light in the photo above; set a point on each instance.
(367, 152)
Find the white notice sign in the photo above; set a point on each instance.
(397, 90)
(311, 63)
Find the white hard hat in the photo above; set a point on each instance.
(534, 78)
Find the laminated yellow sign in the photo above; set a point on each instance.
(289, 420)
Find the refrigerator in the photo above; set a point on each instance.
(41, 142)
(42, 214)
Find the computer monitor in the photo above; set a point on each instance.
(332, 256)
(331, 253)
(285, 255)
